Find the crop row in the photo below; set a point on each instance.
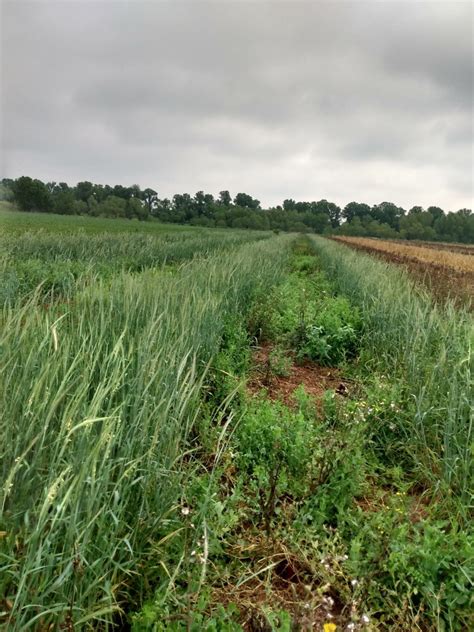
(58, 263)
(427, 350)
(95, 405)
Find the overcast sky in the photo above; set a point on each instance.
(366, 101)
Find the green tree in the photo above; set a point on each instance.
(150, 197)
(355, 209)
(31, 195)
(112, 206)
(63, 201)
(388, 213)
(289, 205)
(246, 201)
(136, 208)
(84, 190)
(224, 198)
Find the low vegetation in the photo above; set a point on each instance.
(231, 433)
(332, 513)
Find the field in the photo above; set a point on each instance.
(447, 269)
(228, 430)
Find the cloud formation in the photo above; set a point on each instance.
(366, 101)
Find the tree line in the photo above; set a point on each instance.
(385, 220)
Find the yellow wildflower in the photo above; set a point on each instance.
(329, 627)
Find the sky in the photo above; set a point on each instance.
(366, 100)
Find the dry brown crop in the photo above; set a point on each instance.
(447, 269)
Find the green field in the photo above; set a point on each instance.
(207, 429)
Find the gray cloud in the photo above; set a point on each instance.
(343, 100)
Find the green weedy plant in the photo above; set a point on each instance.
(274, 449)
(97, 399)
(410, 570)
(278, 362)
(316, 324)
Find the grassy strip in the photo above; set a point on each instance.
(96, 404)
(14, 221)
(426, 351)
(57, 265)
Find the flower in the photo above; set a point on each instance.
(354, 582)
(185, 511)
(365, 619)
(329, 627)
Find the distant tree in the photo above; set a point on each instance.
(204, 204)
(417, 225)
(136, 191)
(84, 190)
(353, 228)
(224, 198)
(136, 208)
(246, 201)
(330, 209)
(289, 205)
(317, 221)
(6, 191)
(435, 211)
(355, 209)
(63, 201)
(81, 207)
(150, 197)
(163, 210)
(199, 203)
(183, 206)
(92, 205)
(388, 213)
(112, 206)
(31, 195)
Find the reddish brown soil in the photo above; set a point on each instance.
(443, 283)
(316, 379)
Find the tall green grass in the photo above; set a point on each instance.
(427, 350)
(96, 401)
(62, 262)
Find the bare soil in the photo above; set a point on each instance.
(316, 379)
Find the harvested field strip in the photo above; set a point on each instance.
(454, 260)
(443, 282)
(465, 249)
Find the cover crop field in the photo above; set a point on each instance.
(204, 429)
